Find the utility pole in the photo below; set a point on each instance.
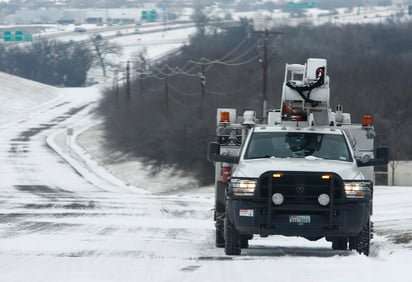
(116, 86)
(266, 33)
(107, 13)
(265, 74)
(128, 86)
(166, 92)
(202, 80)
(141, 88)
(163, 6)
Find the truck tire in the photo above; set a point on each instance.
(362, 241)
(220, 198)
(244, 242)
(340, 244)
(220, 213)
(220, 234)
(352, 243)
(232, 239)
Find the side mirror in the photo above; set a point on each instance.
(382, 155)
(213, 154)
(213, 150)
(381, 158)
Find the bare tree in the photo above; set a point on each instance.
(200, 19)
(369, 65)
(104, 49)
(48, 61)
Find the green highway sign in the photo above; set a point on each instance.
(153, 15)
(7, 36)
(16, 36)
(149, 15)
(27, 37)
(301, 5)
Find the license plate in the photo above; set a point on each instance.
(246, 212)
(299, 219)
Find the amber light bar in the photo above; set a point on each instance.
(224, 117)
(367, 121)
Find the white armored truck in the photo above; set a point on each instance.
(305, 171)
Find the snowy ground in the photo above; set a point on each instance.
(68, 212)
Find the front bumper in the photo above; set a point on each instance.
(346, 219)
(300, 214)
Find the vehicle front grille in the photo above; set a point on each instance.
(300, 187)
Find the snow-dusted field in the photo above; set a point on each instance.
(63, 217)
(68, 213)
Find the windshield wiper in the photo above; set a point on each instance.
(260, 157)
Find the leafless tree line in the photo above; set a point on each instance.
(168, 114)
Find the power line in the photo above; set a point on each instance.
(244, 53)
(157, 76)
(222, 58)
(228, 93)
(203, 61)
(180, 103)
(177, 71)
(181, 92)
(208, 62)
(234, 49)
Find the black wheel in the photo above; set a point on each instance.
(244, 242)
(362, 241)
(352, 243)
(220, 213)
(232, 239)
(220, 237)
(340, 244)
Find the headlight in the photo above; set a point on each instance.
(243, 187)
(356, 189)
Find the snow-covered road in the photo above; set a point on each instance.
(65, 218)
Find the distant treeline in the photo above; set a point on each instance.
(48, 61)
(166, 115)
